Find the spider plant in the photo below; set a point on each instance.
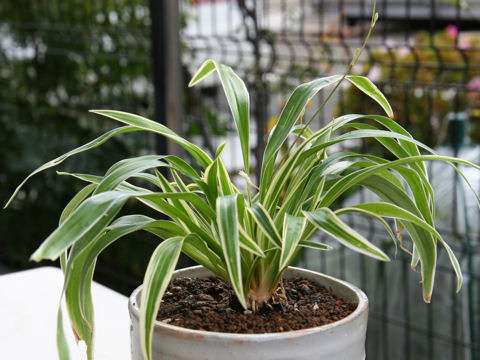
(248, 240)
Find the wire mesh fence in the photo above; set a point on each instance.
(59, 59)
(424, 55)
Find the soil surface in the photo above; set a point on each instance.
(210, 304)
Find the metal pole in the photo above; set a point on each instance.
(167, 72)
(167, 78)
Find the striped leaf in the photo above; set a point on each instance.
(293, 227)
(92, 144)
(196, 249)
(266, 223)
(289, 116)
(326, 220)
(80, 303)
(76, 200)
(62, 345)
(248, 244)
(314, 245)
(228, 228)
(349, 180)
(369, 88)
(424, 242)
(86, 222)
(157, 276)
(149, 125)
(126, 168)
(395, 212)
(237, 98)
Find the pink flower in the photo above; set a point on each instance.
(474, 84)
(404, 51)
(390, 43)
(452, 31)
(464, 44)
(375, 74)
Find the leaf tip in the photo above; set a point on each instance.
(459, 283)
(98, 111)
(10, 200)
(35, 257)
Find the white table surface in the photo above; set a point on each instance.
(28, 315)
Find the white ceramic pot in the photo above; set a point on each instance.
(342, 340)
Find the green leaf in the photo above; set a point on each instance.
(289, 116)
(248, 244)
(266, 223)
(149, 125)
(126, 168)
(363, 134)
(182, 166)
(62, 345)
(80, 266)
(76, 200)
(165, 229)
(92, 144)
(220, 149)
(228, 227)
(371, 214)
(157, 276)
(196, 249)
(237, 98)
(369, 88)
(293, 227)
(326, 220)
(178, 205)
(82, 262)
(354, 178)
(119, 228)
(87, 222)
(210, 186)
(181, 217)
(396, 212)
(400, 149)
(205, 69)
(201, 207)
(79, 301)
(424, 242)
(223, 179)
(314, 245)
(300, 129)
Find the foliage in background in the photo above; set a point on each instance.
(424, 81)
(55, 58)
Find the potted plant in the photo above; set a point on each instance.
(248, 240)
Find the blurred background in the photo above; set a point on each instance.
(60, 58)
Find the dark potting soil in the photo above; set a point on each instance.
(210, 304)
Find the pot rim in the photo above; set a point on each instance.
(191, 333)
